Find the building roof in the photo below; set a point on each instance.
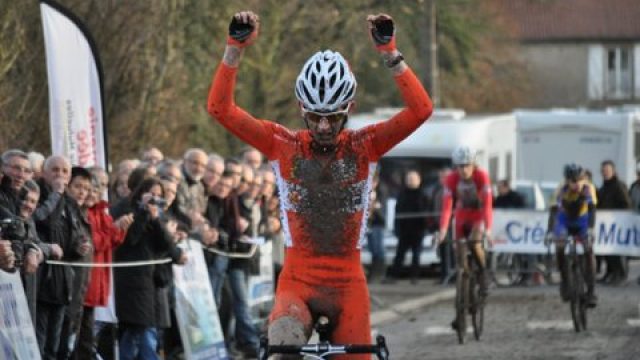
(557, 20)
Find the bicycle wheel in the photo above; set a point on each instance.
(477, 305)
(583, 293)
(506, 269)
(576, 295)
(462, 291)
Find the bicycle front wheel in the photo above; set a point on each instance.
(582, 291)
(462, 299)
(575, 290)
(477, 306)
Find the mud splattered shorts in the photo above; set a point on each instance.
(312, 285)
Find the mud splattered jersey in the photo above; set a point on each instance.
(323, 198)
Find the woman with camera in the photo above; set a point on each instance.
(147, 239)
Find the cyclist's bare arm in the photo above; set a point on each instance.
(487, 201)
(221, 104)
(447, 205)
(418, 105)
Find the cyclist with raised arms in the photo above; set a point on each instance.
(324, 175)
(574, 213)
(470, 189)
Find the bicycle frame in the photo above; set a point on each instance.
(575, 263)
(467, 299)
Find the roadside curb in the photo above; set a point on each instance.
(397, 310)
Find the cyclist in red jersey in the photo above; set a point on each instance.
(470, 188)
(324, 175)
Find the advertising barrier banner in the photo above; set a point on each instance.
(196, 310)
(17, 337)
(523, 231)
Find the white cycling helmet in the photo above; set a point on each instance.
(463, 155)
(325, 83)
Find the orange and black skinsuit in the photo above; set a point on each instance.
(323, 202)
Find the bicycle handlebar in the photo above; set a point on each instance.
(324, 349)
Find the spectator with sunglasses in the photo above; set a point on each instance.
(324, 175)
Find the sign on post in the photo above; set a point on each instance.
(196, 310)
(17, 337)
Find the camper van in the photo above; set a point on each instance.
(547, 140)
(429, 149)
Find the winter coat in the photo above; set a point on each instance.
(8, 198)
(135, 289)
(190, 195)
(634, 195)
(106, 237)
(613, 195)
(411, 201)
(58, 223)
(510, 200)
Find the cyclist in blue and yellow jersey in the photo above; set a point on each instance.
(574, 213)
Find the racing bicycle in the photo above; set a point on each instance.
(576, 283)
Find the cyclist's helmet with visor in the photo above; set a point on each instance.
(573, 172)
(463, 155)
(326, 84)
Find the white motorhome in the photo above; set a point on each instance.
(547, 140)
(429, 149)
(431, 145)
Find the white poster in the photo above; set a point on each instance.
(17, 337)
(523, 231)
(196, 310)
(260, 294)
(75, 99)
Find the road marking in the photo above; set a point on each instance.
(551, 324)
(442, 330)
(633, 322)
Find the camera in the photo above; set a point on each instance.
(13, 228)
(158, 201)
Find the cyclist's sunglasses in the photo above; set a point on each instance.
(334, 118)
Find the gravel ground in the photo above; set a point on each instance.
(524, 323)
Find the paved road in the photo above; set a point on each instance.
(521, 323)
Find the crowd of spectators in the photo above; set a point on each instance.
(55, 217)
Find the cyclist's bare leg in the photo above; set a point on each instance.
(590, 275)
(477, 249)
(461, 266)
(290, 323)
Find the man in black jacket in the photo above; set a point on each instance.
(55, 222)
(410, 224)
(507, 198)
(612, 195)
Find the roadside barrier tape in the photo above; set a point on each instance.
(234, 255)
(105, 265)
(409, 215)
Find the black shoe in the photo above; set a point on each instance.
(564, 293)
(592, 300)
(248, 351)
(605, 279)
(388, 280)
(617, 280)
